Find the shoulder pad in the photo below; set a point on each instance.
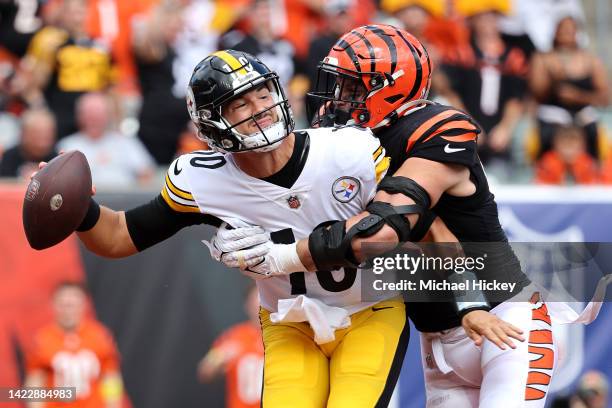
(446, 122)
(361, 144)
(443, 134)
(177, 191)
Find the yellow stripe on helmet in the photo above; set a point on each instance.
(232, 61)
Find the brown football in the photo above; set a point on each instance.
(57, 200)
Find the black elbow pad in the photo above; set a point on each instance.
(329, 247)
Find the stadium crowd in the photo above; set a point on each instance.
(109, 77)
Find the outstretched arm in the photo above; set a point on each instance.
(118, 234)
(109, 237)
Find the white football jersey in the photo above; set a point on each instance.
(339, 178)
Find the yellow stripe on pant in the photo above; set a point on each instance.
(358, 369)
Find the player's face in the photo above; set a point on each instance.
(349, 89)
(69, 304)
(253, 104)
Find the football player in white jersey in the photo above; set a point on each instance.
(326, 347)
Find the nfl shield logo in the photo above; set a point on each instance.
(294, 202)
(32, 190)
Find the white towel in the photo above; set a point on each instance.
(323, 319)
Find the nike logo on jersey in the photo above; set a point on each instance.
(176, 169)
(376, 309)
(448, 149)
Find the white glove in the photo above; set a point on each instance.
(250, 248)
(279, 259)
(238, 247)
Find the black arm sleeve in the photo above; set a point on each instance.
(155, 221)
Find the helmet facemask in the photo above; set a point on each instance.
(222, 135)
(339, 98)
(266, 136)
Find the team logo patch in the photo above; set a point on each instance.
(294, 202)
(345, 189)
(32, 191)
(191, 106)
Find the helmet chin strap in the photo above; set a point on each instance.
(269, 138)
(342, 117)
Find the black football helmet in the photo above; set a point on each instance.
(223, 76)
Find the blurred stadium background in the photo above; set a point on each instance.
(108, 77)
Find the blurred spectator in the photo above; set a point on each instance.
(606, 171)
(436, 26)
(537, 20)
(229, 15)
(163, 114)
(10, 104)
(568, 82)
(238, 353)
(299, 21)
(514, 26)
(560, 402)
(592, 392)
(110, 21)
(488, 75)
(196, 38)
(75, 351)
(189, 141)
(296, 93)
(261, 41)
(63, 63)
(19, 20)
(568, 161)
(414, 15)
(115, 160)
(338, 20)
(36, 145)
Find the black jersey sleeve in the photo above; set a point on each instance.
(444, 135)
(156, 221)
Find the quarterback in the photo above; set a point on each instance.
(379, 77)
(341, 352)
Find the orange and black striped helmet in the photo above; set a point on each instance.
(392, 70)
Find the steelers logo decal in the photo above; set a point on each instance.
(345, 189)
(191, 106)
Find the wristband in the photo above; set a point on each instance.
(91, 217)
(475, 307)
(289, 261)
(466, 302)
